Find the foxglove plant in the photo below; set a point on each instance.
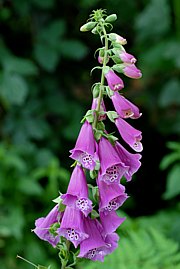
(91, 225)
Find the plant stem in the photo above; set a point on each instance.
(64, 263)
(102, 77)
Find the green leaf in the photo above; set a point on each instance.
(112, 115)
(29, 186)
(170, 94)
(20, 66)
(46, 56)
(169, 159)
(173, 183)
(13, 89)
(73, 49)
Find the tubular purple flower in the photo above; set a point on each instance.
(112, 168)
(115, 83)
(130, 160)
(110, 221)
(124, 107)
(90, 248)
(102, 115)
(127, 58)
(43, 226)
(84, 150)
(129, 134)
(72, 226)
(132, 71)
(111, 196)
(111, 244)
(100, 59)
(77, 192)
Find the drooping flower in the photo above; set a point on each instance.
(115, 83)
(112, 167)
(111, 196)
(129, 159)
(43, 226)
(110, 221)
(119, 39)
(77, 192)
(129, 134)
(124, 107)
(111, 244)
(84, 150)
(72, 226)
(127, 58)
(90, 248)
(131, 71)
(102, 115)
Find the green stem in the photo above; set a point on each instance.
(64, 263)
(102, 77)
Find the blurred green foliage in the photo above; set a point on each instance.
(45, 91)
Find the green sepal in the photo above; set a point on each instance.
(96, 90)
(109, 91)
(112, 139)
(94, 214)
(100, 125)
(112, 115)
(95, 192)
(97, 166)
(106, 69)
(111, 18)
(89, 116)
(88, 26)
(116, 59)
(98, 134)
(94, 31)
(101, 52)
(116, 45)
(96, 67)
(57, 200)
(61, 207)
(93, 174)
(118, 68)
(53, 228)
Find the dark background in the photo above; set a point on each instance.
(45, 89)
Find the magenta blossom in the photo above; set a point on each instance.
(102, 114)
(129, 134)
(127, 58)
(129, 159)
(72, 226)
(132, 71)
(84, 151)
(77, 192)
(100, 59)
(91, 248)
(110, 221)
(112, 167)
(43, 226)
(124, 107)
(115, 83)
(111, 244)
(111, 196)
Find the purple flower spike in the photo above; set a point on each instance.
(84, 151)
(44, 224)
(132, 71)
(111, 196)
(115, 83)
(129, 134)
(77, 192)
(90, 248)
(124, 107)
(112, 167)
(110, 221)
(130, 160)
(102, 108)
(127, 58)
(72, 226)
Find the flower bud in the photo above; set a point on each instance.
(111, 18)
(117, 38)
(88, 26)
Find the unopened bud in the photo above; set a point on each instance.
(111, 18)
(88, 26)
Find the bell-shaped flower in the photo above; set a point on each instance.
(112, 168)
(111, 196)
(111, 244)
(129, 159)
(131, 71)
(126, 57)
(124, 107)
(90, 248)
(115, 83)
(44, 225)
(129, 134)
(84, 150)
(110, 221)
(102, 114)
(77, 192)
(72, 226)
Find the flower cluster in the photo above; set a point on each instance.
(89, 226)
